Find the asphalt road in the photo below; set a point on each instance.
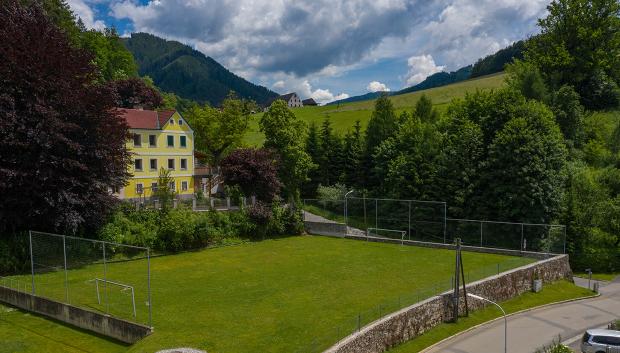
(532, 330)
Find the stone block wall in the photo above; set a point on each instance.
(122, 330)
(416, 319)
(325, 228)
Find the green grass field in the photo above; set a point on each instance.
(343, 117)
(552, 293)
(269, 296)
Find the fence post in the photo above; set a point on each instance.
(105, 281)
(211, 202)
(228, 202)
(376, 213)
(31, 261)
(64, 252)
(194, 204)
(445, 215)
(521, 245)
(480, 233)
(409, 216)
(148, 279)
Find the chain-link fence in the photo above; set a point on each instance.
(428, 221)
(356, 322)
(111, 278)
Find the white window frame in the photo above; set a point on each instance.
(141, 164)
(184, 186)
(181, 139)
(139, 188)
(168, 139)
(154, 139)
(181, 164)
(172, 186)
(151, 163)
(173, 163)
(139, 140)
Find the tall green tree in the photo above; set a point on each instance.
(526, 78)
(459, 165)
(569, 114)
(523, 176)
(330, 160)
(424, 110)
(218, 131)
(114, 61)
(285, 134)
(313, 150)
(353, 150)
(579, 45)
(383, 123)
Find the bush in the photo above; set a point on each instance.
(555, 348)
(177, 231)
(600, 92)
(335, 192)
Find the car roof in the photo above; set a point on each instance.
(599, 332)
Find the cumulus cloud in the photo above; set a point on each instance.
(305, 90)
(376, 86)
(82, 10)
(420, 67)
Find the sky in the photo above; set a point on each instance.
(327, 49)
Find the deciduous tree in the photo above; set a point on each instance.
(62, 145)
(255, 171)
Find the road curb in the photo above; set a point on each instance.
(509, 315)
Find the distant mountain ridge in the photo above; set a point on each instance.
(490, 64)
(178, 68)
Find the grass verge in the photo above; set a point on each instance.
(599, 276)
(555, 292)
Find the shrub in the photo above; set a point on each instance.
(177, 230)
(335, 192)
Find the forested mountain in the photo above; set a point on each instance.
(495, 62)
(439, 79)
(177, 68)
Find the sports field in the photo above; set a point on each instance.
(269, 296)
(343, 117)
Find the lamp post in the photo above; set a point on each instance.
(503, 312)
(345, 207)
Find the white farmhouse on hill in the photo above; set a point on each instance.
(291, 99)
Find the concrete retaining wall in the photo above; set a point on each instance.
(325, 228)
(119, 329)
(416, 319)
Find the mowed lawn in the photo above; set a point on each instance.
(343, 117)
(268, 296)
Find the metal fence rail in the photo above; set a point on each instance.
(96, 275)
(428, 221)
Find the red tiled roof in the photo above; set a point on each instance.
(145, 119)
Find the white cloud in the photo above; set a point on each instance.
(420, 67)
(289, 83)
(376, 86)
(83, 11)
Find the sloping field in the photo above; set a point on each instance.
(284, 295)
(344, 116)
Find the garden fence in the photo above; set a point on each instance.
(107, 277)
(428, 221)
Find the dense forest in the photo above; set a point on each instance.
(177, 68)
(544, 149)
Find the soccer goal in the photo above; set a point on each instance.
(123, 287)
(387, 233)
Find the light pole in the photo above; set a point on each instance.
(345, 207)
(503, 312)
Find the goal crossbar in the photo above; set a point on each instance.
(118, 284)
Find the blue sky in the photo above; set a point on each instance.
(327, 49)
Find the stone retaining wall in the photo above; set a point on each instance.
(416, 319)
(106, 325)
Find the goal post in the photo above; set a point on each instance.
(118, 284)
(376, 232)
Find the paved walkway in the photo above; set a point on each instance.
(534, 329)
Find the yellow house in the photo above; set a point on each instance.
(158, 139)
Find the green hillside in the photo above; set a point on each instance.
(344, 116)
(177, 68)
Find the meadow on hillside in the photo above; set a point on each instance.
(343, 116)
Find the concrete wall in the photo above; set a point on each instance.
(119, 329)
(325, 228)
(416, 319)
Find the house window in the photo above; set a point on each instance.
(184, 186)
(137, 140)
(152, 141)
(180, 122)
(183, 164)
(153, 164)
(138, 164)
(153, 187)
(172, 186)
(171, 164)
(139, 189)
(170, 141)
(171, 121)
(116, 189)
(183, 141)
